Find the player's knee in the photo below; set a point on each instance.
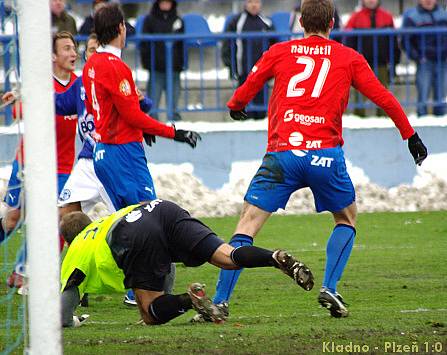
(347, 216)
(222, 257)
(147, 319)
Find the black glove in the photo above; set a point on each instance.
(149, 139)
(189, 137)
(417, 149)
(239, 115)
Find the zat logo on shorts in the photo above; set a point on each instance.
(133, 216)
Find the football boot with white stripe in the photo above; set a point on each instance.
(294, 268)
(333, 302)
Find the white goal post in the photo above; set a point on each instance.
(40, 177)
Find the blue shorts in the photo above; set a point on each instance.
(61, 180)
(122, 169)
(12, 198)
(282, 173)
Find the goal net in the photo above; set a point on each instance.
(29, 255)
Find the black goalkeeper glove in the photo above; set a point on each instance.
(149, 139)
(189, 137)
(240, 115)
(417, 149)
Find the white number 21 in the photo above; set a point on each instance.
(293, 91)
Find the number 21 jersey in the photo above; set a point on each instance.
(313, 77)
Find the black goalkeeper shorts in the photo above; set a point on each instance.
(156, 235)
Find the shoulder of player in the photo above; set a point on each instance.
(106, 65)
(351, 52)
(73, 78)
(280, 47)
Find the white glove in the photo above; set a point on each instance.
(78, 321)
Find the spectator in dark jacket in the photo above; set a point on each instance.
(60, 19)
(87, 27)
(162, 18)
(241, 55)
(375, 49)
(429, 51)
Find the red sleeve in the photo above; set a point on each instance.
(125, 99)
(261, 72)
(365, 81)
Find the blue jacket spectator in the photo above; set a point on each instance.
(430, 53)
(423, 17)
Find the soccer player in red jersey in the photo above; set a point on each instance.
(312, 76)
(120, 124)
(64, 58)
(112, 98)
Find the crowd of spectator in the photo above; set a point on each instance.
(382, 52)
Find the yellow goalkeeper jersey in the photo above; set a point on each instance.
(90, 253)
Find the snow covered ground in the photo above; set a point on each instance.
(428, 191)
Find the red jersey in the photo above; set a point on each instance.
(362, 19)
(113, 101)
(65, 133)
(311, 91)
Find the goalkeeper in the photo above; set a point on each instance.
(134, 248)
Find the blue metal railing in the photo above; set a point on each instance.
(211, 86)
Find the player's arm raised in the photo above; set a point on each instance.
(367, 83)
(259, 75)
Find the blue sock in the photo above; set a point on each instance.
(228, 278)
(21, 260)
(130, 295)
(338, 249)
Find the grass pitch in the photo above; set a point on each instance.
(395, 284)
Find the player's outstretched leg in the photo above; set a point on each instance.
(294, 268)
(338, 250)
(228, 278)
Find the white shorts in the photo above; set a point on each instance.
(84, 186)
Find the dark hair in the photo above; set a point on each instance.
(62, 35)
(72, 224)
(107, 21)
(317, 15)
(92, 36)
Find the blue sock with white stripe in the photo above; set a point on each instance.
(228, 278)
(338, 250)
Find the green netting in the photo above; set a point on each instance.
(12, 305)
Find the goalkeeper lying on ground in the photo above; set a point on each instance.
(134, 248)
